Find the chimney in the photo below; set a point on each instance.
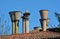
(25, 22)
(43, 20)
(15, 16)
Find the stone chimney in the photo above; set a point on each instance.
(25, 22)
(15, 16)
(43, 20)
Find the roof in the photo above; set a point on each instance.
(37, 34)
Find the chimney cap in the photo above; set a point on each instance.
(15, 15)
(26, 13)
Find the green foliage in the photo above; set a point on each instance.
(58, 16)
(59, 19)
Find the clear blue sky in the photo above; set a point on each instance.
(33, 6)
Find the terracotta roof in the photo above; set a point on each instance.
(37, 34)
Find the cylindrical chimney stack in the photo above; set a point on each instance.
(25, 21)
(15, 16)
(43, 20)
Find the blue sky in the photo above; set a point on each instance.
(33, 6)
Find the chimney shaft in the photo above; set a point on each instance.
(15, 16)
(25, 25)
(15, 27)
(43, 20)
